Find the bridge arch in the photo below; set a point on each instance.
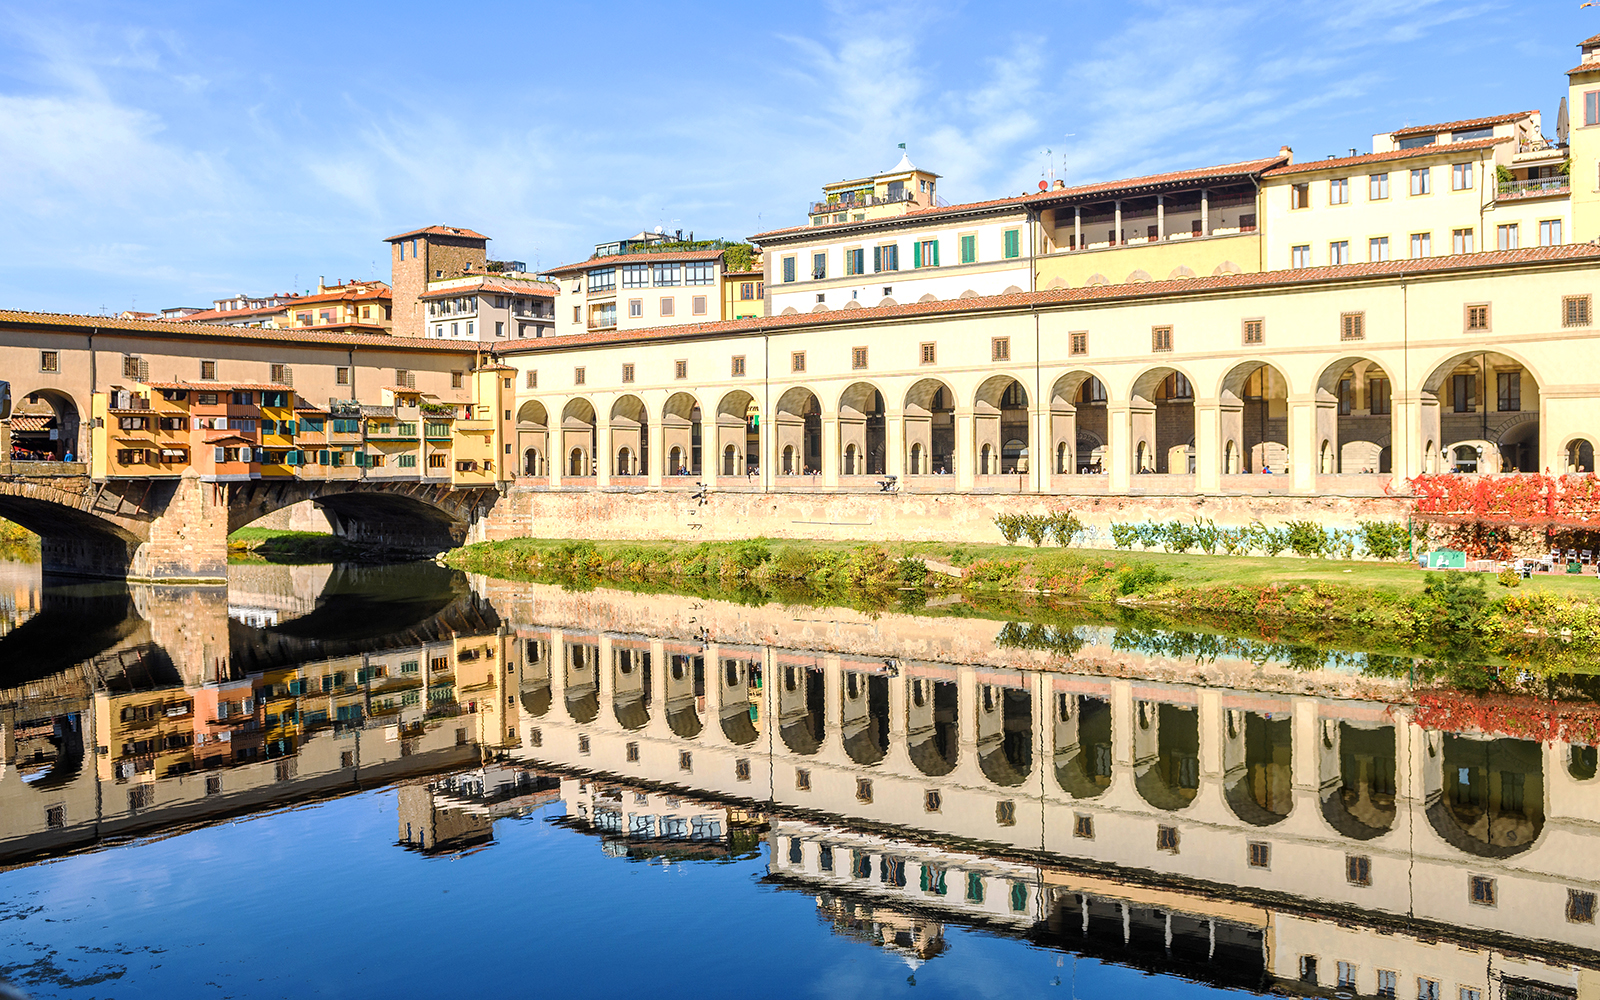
(421, 518)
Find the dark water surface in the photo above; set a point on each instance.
(399, 781)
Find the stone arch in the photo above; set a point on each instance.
(1181, 271)
(1492, 801)
(1360, 428)
(534, 683)
(681, 433)
(578, 432)
(48, 423)
(1577, 454)
(1082, 744)
(789, 311)
(630, 436)
(1056, 282)
(1077, 412)
(1137, 277)
(1259, 761)
(969, 294)
(72, 540)
(1166, 754)
(932, 725)
(1358, 778)
(1226, 267)
(1004, 733)
(864, 715)
(1001, 432)
(740, 699)
(820, 307)
(929, 297)
(737, 429)
(1468, 386)
(1096, 279)
(1011, 290)
(930, 428)
(801, 712)
(886, 301)
(533, 438)
(863, 431)
(1254, 398)
(685, 686)
(797, 422)
(631, 684)
(581, 687)
(852, 304)
(1159, 443)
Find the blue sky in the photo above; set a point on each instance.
(166, 154)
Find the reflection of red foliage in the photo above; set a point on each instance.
(1500, 715)
(1514, 498)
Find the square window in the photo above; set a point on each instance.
(1300, 256)
(738, 367)
(855, 260)
(698, 305)
(1161, 338)
(213, 784)
(583, 744)
(863, 789)
(1550, 233)
(1083, 827)
(928, 354)
(1167, 839)
(1427, 989)
(1481, 890)
(1339, 191)
(341, 376)
(1012, 239)
(802, 779)
(788, 269)
(1591, 107)
(680, 369)
(1308, 969)
(1507, 237)
(455, 380)
(1347, 976)
(1358, 869)
(1460, 176)
(932, 801)
(1300, 195)
(633, 753)
(667, 304)
(858, 357)
(1575, 310)
(1388, 982)
(1478, 316)
(1353, 326)
(741, 769)
(1421, 181)
(577, 376)
(1461, 241)
(1078, 343)
(1378, 249)
(1259, 855)
(1339, 252)
(819, 266)
(1377, 187)
(50, 361)
(1468, 993)
(1000, 349)
(1255, 331)
(1580, 907)
(797, 361)
(635, 308)
(627, 373)
(969, 248)
(55, 816)
(1005, 812)
(532, 379)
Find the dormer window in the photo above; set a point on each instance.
(1468, 134)
(1417, 141)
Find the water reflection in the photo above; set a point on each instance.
(1223, 819)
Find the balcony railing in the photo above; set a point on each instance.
(858, 201)
(1541, 186)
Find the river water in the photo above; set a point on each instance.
(402, 781)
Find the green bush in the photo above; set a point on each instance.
(1457, 600)
(1065, 526)
(1307, 539)
(1010, 526)
(912, 572)
(1035, 526)
(794, 563)
(1384, 539)
(1124, 535)
(1141, 577)
(1176, 536)
(750, 553)
(1509, 577)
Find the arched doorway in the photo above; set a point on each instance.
(1077, 419)
(1484, 396)
(533, 436)
(44, 427)
(741, 700)
(1492, 801)
(1358, 778)
(582, 681)
(800, 707)
(1001, 437)
(864, 715)
(578, 434)
(1005, 733)
(1161, 414)
(932, 736)
(1254, 410)
(1259, 757)
(863, 440)
(797, 421)
(1082, 744)
(680, 426)
(1360, 429)
(630, 436)
(930, 427)
(631, 683)
(738, 434)
(1166, 754)
(1580, 455)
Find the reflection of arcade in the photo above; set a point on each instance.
(1196, 826)
(644, 824)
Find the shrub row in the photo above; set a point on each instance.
(1063, 525)
(1376, 539)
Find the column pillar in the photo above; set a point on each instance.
(555, 441)
(657, 459)
(1116, 238)
(1077, 227)
(1207, 445)
(1303, 444)
(1041, 449)
(1119, 458)
(1205, 212)
(767, 441)
(603, 454)
(966, 458)
(894, 426)
(830, 450)
(1161, 217)
(605, 680)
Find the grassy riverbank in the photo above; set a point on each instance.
(1456, 617)
(277, 546)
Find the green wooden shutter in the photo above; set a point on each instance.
(935, 253)
(916, 254)
(877, 259)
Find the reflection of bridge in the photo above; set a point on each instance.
(176, 529)
(1351, 803)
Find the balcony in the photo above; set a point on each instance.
(1541, 188)
(856, 201)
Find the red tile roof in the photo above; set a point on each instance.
(29, 422)
(1437, 149)
(1463, 124)
(1591, 40)
(213, 315)
(490, 285)
(166, 330)
(365, 291)
(439, 231)
(1094, 294)
(222, 386)
(1130, 185)
(1586, 67)
(643, 257)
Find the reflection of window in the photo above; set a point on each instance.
(1482, 890)
(1388, 980)
(1167, 839)
(1580, 907)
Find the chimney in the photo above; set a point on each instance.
(1061, 184)
(1285, 151)
(322, 283)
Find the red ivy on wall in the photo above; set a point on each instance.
(1503, 716)
(1532, 499)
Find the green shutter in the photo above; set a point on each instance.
(969, 249)
(877, 259)
(322, 458)
(935, 253)
(916, 254)
(1013, 243)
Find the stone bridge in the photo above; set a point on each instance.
(177, 529)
